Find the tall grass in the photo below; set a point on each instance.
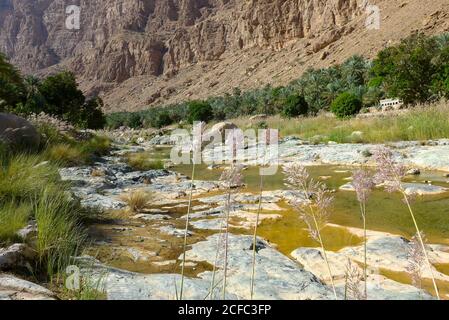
(31, 188)
(425, 122)
(23, 177)
(363, 183)
(314, 206)
(78, 153)
(65, 154)
(391, 174)
(13, 217)
(60, 233)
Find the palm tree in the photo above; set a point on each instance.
(443, 40)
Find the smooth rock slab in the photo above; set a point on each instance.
(384, 251)
(382, 288)
(347, 187)
(209, 224)
(277, 276)
(379, 287)
(13, 288)
(423, 189)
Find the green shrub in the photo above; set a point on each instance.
(163, 119)
(346, 105)
(133, 121)
(92, 116)
(294, 106)
(50, 136)
(200, 111)
(96, 146)
(11, 84)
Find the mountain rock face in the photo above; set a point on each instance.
(137, 53)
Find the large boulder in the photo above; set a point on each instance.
(16, 257)
(13, 288)
(218, 131)
(17, 132)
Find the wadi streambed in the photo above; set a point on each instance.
(153, 242)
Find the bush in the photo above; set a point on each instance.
(92, 116)
(294, 106)
(163, 119)
(11, 84)
(346, 105)
(200, 111)
(407, 70)
(133, 121)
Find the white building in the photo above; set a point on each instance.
(391, 104)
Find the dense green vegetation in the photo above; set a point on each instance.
(346, 105)
(416, 71)
(31, 189)
(200, 111)
(294, 106)
(57, 95)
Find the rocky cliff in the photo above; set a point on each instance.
(137, 53)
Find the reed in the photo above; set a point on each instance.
(390, 174)
(314, 207)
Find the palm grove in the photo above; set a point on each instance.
(416, 71)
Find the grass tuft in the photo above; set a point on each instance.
(13, 217)
(142, 161)
(60, 233)
(78, 153)
(23, 177)
(137, 200)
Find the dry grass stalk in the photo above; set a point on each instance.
(363, 184)
(353, 282)
(233, 179)
(198, 132)
(391, 174)
(256, 225)
(417, 260)
(314, 209)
